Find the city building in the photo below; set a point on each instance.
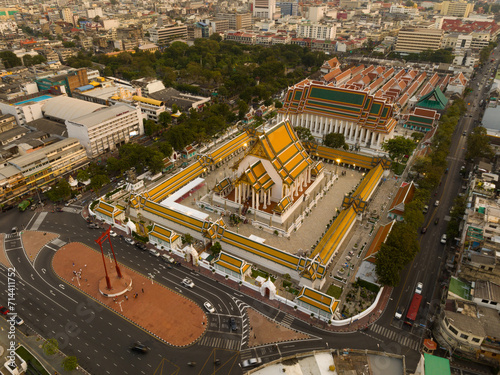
(416, 40)
(104, 130)
(264, 9)
(236, 21)
(455, 8)
(69, 81)
(25, 174)
(150, 108)
(67, 15)
(199, 30)
(162, 35)
(316, 31)
(288, 8)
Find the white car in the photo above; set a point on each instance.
(187, 282)
(252, 362)
(112, 234)
(443, 238)
(130, 241)
(209, 307)
(436, 203)
(419, 288)
(154, 252)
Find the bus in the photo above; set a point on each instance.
(413, 310)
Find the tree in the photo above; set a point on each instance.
(216, 249)
(387, 270)
(335, 140)
(61, 191)
(151, 127)
(242, 109)
(50, 347)
(304, 134)
(187, 239)
(155, 162)
(70, 363)
(10, 59)
(83, 175)
(165, 149)
(278, 104)
(478, 145)
(165, 119)
(98, 181)
(398, 147)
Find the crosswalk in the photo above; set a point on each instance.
(220, 343)
(59, 243)
(287, 320)
(395, 336)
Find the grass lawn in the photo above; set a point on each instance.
(31, 361)
(334, 291)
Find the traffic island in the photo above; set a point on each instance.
(171, 317)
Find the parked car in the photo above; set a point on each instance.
(93, 226)
(399, 312)
(112, 234)
(18, 321)
(426, 208)
(232, 324)
(187, 282)
(14, 230)
(139, 347)
(209, 307)
(423, 230)
(252, 362)
(419, 288)
(436, 221)
(129, 241)
(154, 252)
(443, 239)
(436, 203)
(4, 310)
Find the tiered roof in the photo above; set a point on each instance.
(232, 263)
(163, 233)
(318, 300)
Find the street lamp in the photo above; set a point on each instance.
(337, 168)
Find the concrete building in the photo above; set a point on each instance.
(69, 81)
(316, 31)
(264, 8)
(67, 15)
(104, 130)
(416, 40)
(150, 108)
(24, 174)
(237, 21)
(162, 35)
(288, 8)
(455, 8)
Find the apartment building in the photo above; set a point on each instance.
(264, 9)
(236, 21)
(24, 174)
(106, 129)
(416, 40)
(67, 15)
(455, 8)
(161, 35)
(316, 31)
(150, 108)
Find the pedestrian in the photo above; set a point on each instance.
(85, 266)
(126, 297)
(73, 264)
(143, 290)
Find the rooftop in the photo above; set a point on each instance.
(103, 114)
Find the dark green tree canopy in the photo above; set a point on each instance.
(478, 145)
(335, 140)
(398, 147)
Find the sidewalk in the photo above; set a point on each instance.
(33, 343)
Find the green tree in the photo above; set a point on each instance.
(155, 161)
(478, 145)
(187, 239)
(61, 191)
(165, 149)
(10, 59)
(165, 119)
(50, 347)
(335, 140)
(304, 134)
(386, 268)
(398, 147)
(83, 175)
(151, 127)
(216, 249)
(98, 181)
(70, 363)
(278, 104)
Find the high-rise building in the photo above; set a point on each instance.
(456, 8)
(316, 31)
(237, 21)
(416, 40)
(67, 15)
(162, 35)
(289, 8)
(264, 9)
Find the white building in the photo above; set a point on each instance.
(94, 12)
(67, 15)
(316, 31)
(107, 128)
(264, 8)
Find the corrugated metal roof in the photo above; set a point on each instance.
(66, 108)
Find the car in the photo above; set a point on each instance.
(187, 282)
(93, 226)
(252, 362)
(167, 258)
(443, 239)
(129, 241)
(436, 203)
(4, 310)
(464, 134)
(232, 324)
(18, 321)
(426, 208)
(59, 209)
(14, 230)
(399, 312)
(139, 347)
(154, 252)
(423, 230)
(436, 221)
(141, 246)
(419, 288)
(209, 307)
(112, 234)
